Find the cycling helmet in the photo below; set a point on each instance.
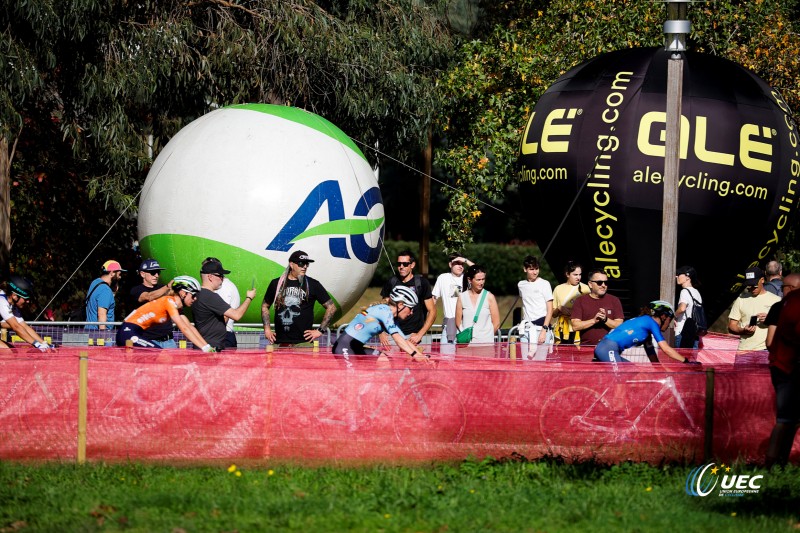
(20, 286)
(403, 294)
(660, 307)
(186, 283)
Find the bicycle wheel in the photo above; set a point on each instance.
(565, 426)
(429, 413)
(312, 413)
(677, 435)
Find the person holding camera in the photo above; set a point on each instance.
(749, 311)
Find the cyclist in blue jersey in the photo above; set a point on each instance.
(376, 319)
(638, 332)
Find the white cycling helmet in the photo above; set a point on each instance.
(186, 283)
(661, 307)
(404, 294)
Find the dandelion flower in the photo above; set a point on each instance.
(270, 472)
(649, 489)
(232, 468)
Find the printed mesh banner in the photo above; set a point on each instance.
(598, 135)
(307, 407)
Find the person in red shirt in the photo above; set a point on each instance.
(784, 367)
(596, 313)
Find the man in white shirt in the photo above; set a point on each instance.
(537, 312)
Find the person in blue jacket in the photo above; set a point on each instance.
(640, 331)
(380, 318)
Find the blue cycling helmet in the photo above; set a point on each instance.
(23, 287)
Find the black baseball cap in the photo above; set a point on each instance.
(213, 267)
(298, 256)
(752, 275)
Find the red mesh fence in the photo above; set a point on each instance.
(298, 405)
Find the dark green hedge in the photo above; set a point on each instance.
(503, 263)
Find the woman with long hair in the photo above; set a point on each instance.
(564, 297)
(477, 310)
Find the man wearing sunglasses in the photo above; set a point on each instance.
(210, 311)
(294, 295)
(421, 319)
(148, 290)
(596, 313)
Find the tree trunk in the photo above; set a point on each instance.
(5, 206)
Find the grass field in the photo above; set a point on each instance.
(471, 496)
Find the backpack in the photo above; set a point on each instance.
(699, 316)
(394, 281)
(79, 314)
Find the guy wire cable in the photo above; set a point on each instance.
(574, 200)
(100, 241)
(387, 156)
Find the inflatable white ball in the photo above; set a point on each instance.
(249, 185)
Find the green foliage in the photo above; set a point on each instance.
(523, 47)
(490, 495)
(93, 90)
(503, 263)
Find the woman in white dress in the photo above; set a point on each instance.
(488, 322)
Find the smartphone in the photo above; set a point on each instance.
(754, 320)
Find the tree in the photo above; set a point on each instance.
(95, 88)
(523, 47)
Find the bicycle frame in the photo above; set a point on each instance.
(667, 385)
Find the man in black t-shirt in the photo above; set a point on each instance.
(148, 290)
(420, 321)
(210, 311)
(294, 295)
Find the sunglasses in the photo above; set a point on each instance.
(302, 264)
(598, 281)
(403, 263)
(220, 276)
(153, 272)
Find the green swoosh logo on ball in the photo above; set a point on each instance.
(341, 227)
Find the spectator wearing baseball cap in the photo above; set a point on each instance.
(100, 302)
(749, 311)
(148, 290)
(686, 335)
(230, 293)
(294, 295)
(210, 311)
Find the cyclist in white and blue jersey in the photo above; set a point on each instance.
(378, 318)
(638, 332)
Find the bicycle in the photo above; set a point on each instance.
(421, 413)
(166, 397)
(578, 417)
